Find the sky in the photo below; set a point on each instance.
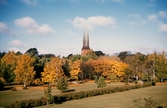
(57, 26)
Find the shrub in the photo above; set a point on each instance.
(101, 82)
(48, 96)
(13, 89)
(62, 84)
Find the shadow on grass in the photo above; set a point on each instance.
(69, 90)
(6, 88)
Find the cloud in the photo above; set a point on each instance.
(17, 43)
(118, 1)
(30, 2)
(13, 49)
(134, 15)
(92, 21)
(153, 17)
(163, 27)
(5, 29)
(32, 26)
(162, 14)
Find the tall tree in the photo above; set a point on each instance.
(52, 70)
(8, 65)
(75, 68)
(159, 63)
(25, 70)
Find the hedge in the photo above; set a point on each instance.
(74, 95)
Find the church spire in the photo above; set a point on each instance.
(85, 46)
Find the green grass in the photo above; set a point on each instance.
(7, 97)
(117, 100)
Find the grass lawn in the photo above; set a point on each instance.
(8, 96)
(118, 100)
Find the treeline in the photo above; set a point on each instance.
(31, 68)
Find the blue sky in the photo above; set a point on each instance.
(57, 26)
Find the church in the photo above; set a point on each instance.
(86, 48)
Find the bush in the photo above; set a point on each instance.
(62, 84)
(101, 82)
(13, 89)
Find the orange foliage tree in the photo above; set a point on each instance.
(8, 65)
(75, 68)
(52, 70)
(25, 70)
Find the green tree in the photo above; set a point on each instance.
(32, 52)
(101, 82)
(62, 84)
(47, 94)
(25, 70)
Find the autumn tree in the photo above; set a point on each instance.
(159, 64)
(52, 70)
(75, 68)
(87, 70)
(25, 70)
(8, 65)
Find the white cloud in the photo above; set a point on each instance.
(32, 26)
(5, 29)
(13, 49)
(134, 15)
(118, 1)
(153, 17)
(17, 43)
(92, 21)
(163, 27)
(162, 14)
(30, 2)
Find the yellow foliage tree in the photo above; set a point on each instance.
(25, 70)
(75, 68)
(52, 70)
(8, 65)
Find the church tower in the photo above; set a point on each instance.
(85, 47)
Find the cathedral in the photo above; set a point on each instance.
(85, 47)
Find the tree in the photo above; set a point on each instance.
(159, 64)
(122, 55)
(62, 84)
(89, 55)
(66, 67)
(8, 65)
(75, 68)
(52, 70)
(101, 82)
(87, 70)
(25, 70)
(32, 52)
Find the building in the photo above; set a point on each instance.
(85, 47)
